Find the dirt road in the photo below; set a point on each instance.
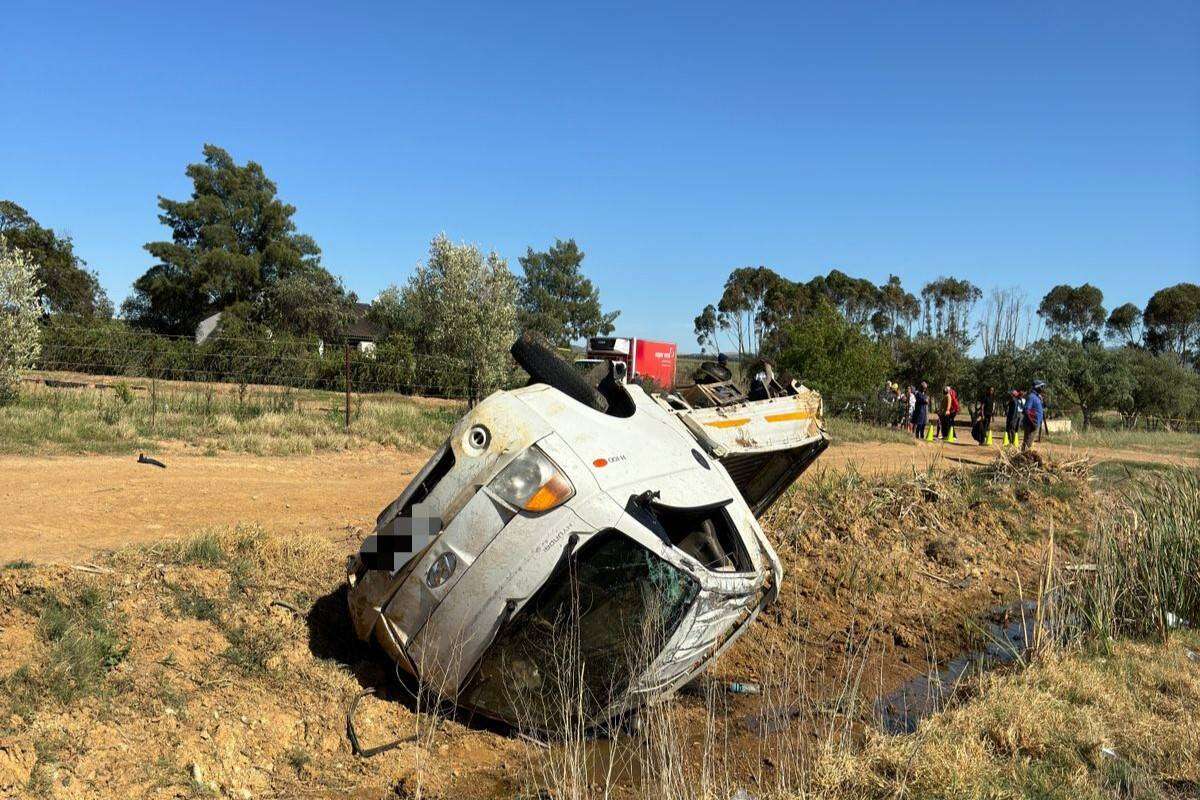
(66, 509)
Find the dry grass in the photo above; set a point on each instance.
(844, 429)
(1174, 443)
(264, 422)
(1070, 727)
(215, 681)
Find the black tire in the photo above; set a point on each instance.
(712, 372)
(536, 356)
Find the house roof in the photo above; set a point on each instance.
(361, 329)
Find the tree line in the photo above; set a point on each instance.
(234, 248)
(847, 337)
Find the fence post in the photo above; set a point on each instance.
(346, 351)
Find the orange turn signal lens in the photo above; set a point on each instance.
(532, 482)
(554, 492)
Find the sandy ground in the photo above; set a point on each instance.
(65, 509)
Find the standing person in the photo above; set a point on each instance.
(987, 407)
(949, 411)
(921, 410)
(911, 406)
(1034, 414)
(1012, 416)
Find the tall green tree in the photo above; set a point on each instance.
(1172, 320)
(230, 241)
(1074, 310)
(947, 304)
(741, 307)
(896, 305)
(557, 299)
(937, 360)
(308, 302)
(1085, 374)
(66, 286)
(707, 324)
(462, 306)
(1123, 323)
(1162, 387)
(832, 355)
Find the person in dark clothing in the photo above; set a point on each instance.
(987, 407)
(921, 411)
(1012, 416)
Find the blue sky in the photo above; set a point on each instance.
(1008, 143)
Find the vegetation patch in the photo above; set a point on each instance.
(264, 421)
(81, 639)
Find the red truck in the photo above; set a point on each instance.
(642, 358)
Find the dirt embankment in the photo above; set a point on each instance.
(224, 664)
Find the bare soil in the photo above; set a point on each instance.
(881, 576)
(68, 508)
(65, 509)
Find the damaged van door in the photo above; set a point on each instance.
(578, 545)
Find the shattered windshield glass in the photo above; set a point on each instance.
(601, 618)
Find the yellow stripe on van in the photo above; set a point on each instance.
(728, 423)
(789, 416)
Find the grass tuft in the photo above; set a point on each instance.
(83, 643)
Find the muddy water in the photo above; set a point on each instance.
(1009, 634)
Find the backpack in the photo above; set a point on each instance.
(954, 408)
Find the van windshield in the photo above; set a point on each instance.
(599, 621)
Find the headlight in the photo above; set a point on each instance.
(532, 482)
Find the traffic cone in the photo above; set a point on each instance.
(1016, 440)
(951, 437)
(987, 438)
(929, 433)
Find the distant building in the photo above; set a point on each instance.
(362, 332)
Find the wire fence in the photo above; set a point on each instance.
(257, 374)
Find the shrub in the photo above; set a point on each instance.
(19, 312)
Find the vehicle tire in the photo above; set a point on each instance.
(712, 372)
(537, 357)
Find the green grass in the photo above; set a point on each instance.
(842, 429)
(196, 605)
(83, 641)
(250, 649)
(1146, 578)
(261, 421)
(1168, 443)
(1115, 472)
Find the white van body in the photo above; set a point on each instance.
(654, 494)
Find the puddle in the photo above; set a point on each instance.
(1009, 630)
